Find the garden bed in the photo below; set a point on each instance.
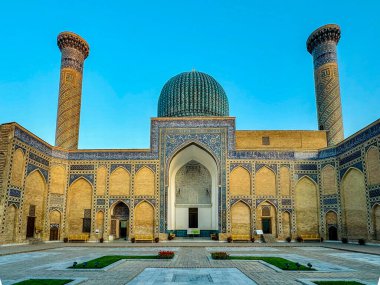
(44, 282)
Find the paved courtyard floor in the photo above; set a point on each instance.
(192, 264)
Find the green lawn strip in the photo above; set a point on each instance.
(337, 283)
(276, 261)
(44, 282)
(107, 260)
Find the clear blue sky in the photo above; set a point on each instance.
(255, 50)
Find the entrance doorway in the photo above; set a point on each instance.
(30, 227)
(193, 218)
(123, 229)
(266, 226)
(54, 232)
(333, 233)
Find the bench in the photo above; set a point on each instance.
(144, 238)
(241, 237)
(78, 237)
(311, 237)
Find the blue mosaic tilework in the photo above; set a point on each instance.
(330, 208)
(14, 192)
(89, 177)
(110, 155)
(38, 159)
(350, 157)
(290, 210)
(272, 201)
(31, 141)
(151, 166)
(17, 204)
(82, 167)
(32, 167)
(358, 165)
(125, 166)
(258, 166)
(286, 201)
(100, 201)
(374, 193)
(305, 167)
(244, 165)
(247, 201)
(313, 177)
(330, 201)
(125, 201)
(19, 147)
(152, 201)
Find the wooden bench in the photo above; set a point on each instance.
(311, 237)
(144, 238)
(241, 237)
(79, 237)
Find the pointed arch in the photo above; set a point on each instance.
(328, 176)
(285, 180)
(144, 182)
(101, 179)
(55, 224)
(35, 196)
(266, 217)
(354, 204)
(144, 219)
(373, 165)
(265, 182)
(240, 219)
(120, 181)
(240, 182)
(376, 220)
(58, 179)
(99, 223)
(18, 165)
(79, 204)
(307, 206)
(286, 224)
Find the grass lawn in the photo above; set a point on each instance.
(276, 261)
(44, 282)
(107, 260)
(337, 283)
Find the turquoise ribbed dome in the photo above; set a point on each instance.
(192, 94)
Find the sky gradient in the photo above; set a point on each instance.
(255, 50)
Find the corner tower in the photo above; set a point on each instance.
(74, 51)
(321, 44)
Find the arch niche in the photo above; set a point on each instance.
(192, 190)
(120, 220)
(376, 221)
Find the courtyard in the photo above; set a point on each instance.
(192, 263)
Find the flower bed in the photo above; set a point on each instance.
(44, 282)
(166, 254)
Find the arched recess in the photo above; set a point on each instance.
(99, 223)
(286, 224)
(79, 204)
(18, 168)
(373, 165)
(329, 180)
(57, 179)
(265, 182)
(144, 219)
(11, 224)
(34, 205)
(376, 221)
(55, 225)
(144, 182)
(332, 225)
(266, 218)
(306, 202)
(354, 204)
(101, 177)
(240, 182)
(119, 220)
(285, 181)
(120, 182)
(240, 219)
(207, 215)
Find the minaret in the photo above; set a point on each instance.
(321, 44)
(74, 51)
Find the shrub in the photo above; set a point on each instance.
(288, 239)
(344, 240)
(219, 255)
(157, 239)
(165, 254)
(65, 239)
(252, 239)
(133, 240)
(229, 239)
(361, 241)
(299, 239)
